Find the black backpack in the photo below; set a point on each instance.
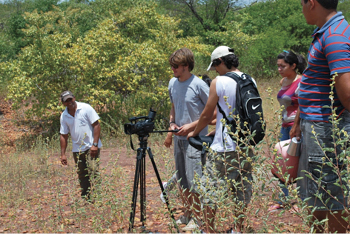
(248, 109)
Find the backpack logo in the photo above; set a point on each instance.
(254, 107)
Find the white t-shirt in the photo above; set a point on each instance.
(80, 126)
(225, 87)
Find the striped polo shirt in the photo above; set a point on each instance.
(329, 53)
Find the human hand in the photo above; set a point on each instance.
(93, 151)
(184, 130)
(173, 126)
(64, 160)
(191, 134)
(295, 131)
(212, 133)
(168, 141)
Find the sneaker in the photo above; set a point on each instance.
(161, 194)
(192, 225)
(295, 209)
(275, 207)
(233, 232)
(182, 220)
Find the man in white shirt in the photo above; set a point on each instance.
(82, 122)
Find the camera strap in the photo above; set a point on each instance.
(131, 144)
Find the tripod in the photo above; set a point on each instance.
(140, 176)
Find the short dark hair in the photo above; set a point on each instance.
(328, 4)
(182, 57)
(230, 60)
(290, 57)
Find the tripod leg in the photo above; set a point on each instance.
(161, 186)
(143, 187)
(134, 193)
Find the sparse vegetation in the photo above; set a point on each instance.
(113, 54)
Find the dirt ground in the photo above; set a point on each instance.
(15, 219)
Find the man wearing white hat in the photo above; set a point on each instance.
(222, 91)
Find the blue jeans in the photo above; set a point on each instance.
(285, 133)
(284, 136)
(321, 165)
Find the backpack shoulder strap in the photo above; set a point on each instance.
(234, 76)
(237, 78)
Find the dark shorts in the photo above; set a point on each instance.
(225, 173)
(323, 182)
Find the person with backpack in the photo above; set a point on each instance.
(289, 65)
(217, 172)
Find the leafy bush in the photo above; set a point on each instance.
(125, 56)
(276, 25)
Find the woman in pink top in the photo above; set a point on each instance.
(289, 65)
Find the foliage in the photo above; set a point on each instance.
(13, 23)
(198, 17)
(7, 48)
(277, 25)
(233, 36)
(257, 33)
(124, 57)
(344, 6)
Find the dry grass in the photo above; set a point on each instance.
(39, 195)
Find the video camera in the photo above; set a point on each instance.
(143, 127)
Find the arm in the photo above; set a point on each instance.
(97, 131)
(342, 85)
(173, 125)
(63, 144)
(169, 139)
(208, 112)
(295, 131)
(213, 121)
(186, 128)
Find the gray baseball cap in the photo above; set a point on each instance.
(65, 95)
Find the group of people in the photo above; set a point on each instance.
(305, 95)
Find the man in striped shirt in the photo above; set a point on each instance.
(328, 56)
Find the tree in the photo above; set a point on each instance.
(125, 56)
(208, 14)
(277, 25)
(13, 23)
(344, 6)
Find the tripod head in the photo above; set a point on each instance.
(143, 126)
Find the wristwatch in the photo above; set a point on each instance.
(95, 144)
